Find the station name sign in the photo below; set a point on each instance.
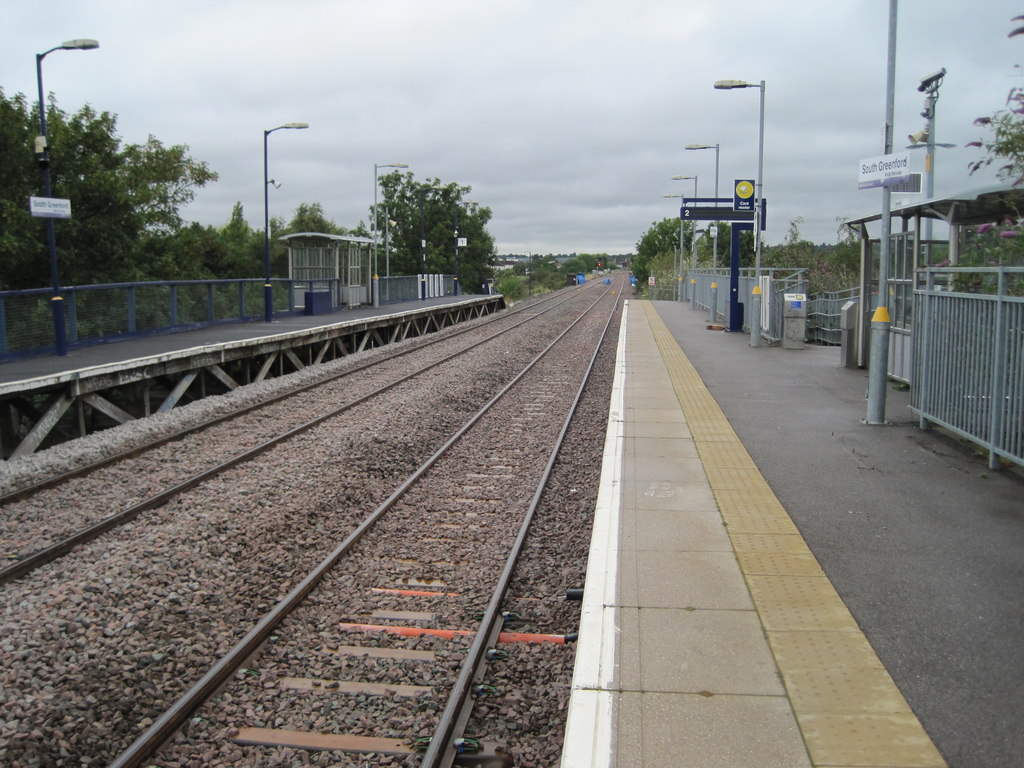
(884, 171)
(50, 207)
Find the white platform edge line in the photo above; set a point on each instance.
(590, 714)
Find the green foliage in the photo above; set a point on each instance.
(511, 286)
(441, 210)
(657, 251)
(125, 199)
(127, 226)
(310, 217)
(1007, 141)
(243, 248)
(829, 268)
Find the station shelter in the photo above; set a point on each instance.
(328, 271)
(940, 232)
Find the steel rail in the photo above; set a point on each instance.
(164, 726)
(441, 752)
(48, 554)
(41, 485)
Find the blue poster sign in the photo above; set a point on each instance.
(743, 195)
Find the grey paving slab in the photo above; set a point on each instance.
(683, 730)
(703, 651)
(674, 530)
(662, 579)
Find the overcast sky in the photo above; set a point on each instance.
(568, 118)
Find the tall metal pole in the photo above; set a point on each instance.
(714, 235)
(60, 338)
(878, 366)
(456, 262)
(714, 231)
(268, 290)
(423, 251)
(679, 269)
(755, 297)
(373, 221)
(755, 321)
(56, 300)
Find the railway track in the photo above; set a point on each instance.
(441, 495)
(243, 434)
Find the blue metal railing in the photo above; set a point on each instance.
(102, 313)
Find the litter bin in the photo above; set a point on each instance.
(317, 302)
(794, 320)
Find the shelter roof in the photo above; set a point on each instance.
(974, 206)
(325, 236)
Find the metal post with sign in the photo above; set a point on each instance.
(713, 209)
(879, 358)
(52, 208)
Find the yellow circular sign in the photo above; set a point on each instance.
(744, 189)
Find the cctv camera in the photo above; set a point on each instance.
(932, 82)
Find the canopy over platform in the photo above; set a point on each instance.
(970, 207)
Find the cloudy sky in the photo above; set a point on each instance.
(568, 118)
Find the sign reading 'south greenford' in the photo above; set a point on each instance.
(50, 207)
(884, 171)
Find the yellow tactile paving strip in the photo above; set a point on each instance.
(849, 710)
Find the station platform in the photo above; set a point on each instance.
(712, 635)
(157, 346)
(48, 399)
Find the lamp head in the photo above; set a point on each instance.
(295, 125)
(79, 44)
(699, 146)
(725, 85)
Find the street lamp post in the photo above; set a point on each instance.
(456, 263)
(755, 320)
(373, 222)
(714, 232)
(693, 260)
(423, 244)
(43, 154)
(678, 269)
(268, 295)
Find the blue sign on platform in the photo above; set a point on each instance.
(743, 195)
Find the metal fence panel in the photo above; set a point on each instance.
(824, 315)
(969, 358)
(27, 322)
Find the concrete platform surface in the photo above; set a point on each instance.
(748, 602)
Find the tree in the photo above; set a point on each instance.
(125, 198)
(243, 247)
(1007, 141)
(657, 250)
(402, 199)
(22, 245)
(829, 268)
